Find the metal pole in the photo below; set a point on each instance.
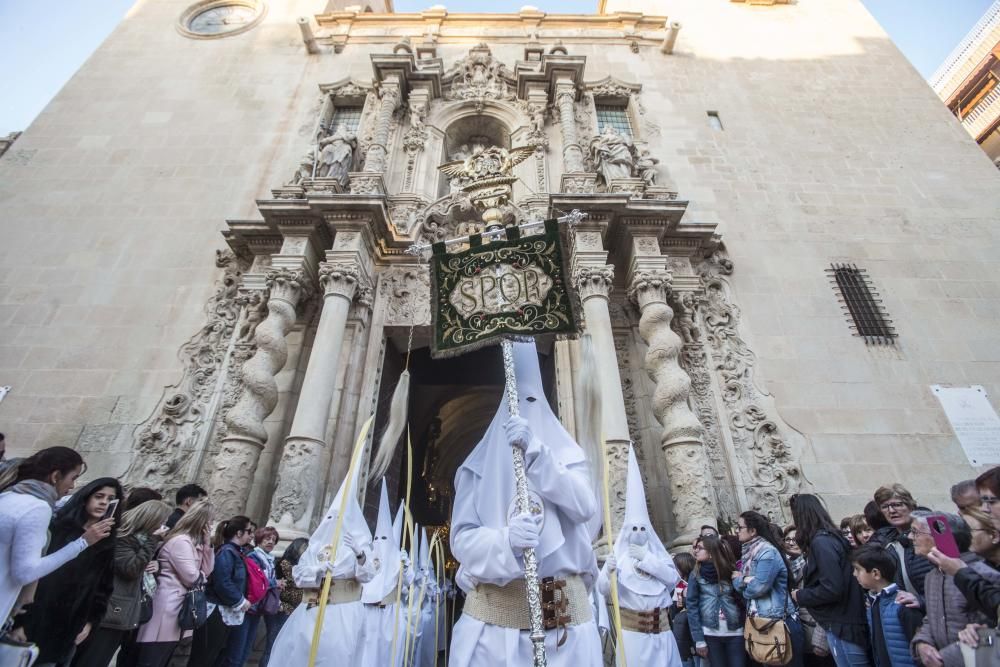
(523, 507)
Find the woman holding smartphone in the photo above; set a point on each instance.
(135, 568)
(70, 603)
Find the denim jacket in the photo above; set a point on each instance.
(768, 591)
(703, 602)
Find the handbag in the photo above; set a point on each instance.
(194, 607)
(986, 653)
(17, 654)
(271, 604)
(768, 640)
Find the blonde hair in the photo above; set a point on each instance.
(193, 522)
(982, 517)
(144, 519)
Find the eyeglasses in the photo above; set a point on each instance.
(893, 505)
(741, 527)
(791, 541)
(913, 532)
(988, 501)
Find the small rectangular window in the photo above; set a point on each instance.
(714, 121)
(862, 303)
(349, 117)
(615, 115)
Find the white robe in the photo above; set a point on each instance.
(648, 650)
(486, 557)
(343, 633)
(380, 626)
(426, 644)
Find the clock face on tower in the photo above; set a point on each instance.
(220, 18)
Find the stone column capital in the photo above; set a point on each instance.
(339, 279)
(647, 287)
(390, 93)
(287, 285)
(594, 281)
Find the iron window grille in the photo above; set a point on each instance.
(349, 117)
(862, 302)
(615, 115)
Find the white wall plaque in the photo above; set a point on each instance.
(974, 421)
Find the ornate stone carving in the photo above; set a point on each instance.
(304, 171)
(593, 281)
(295, 492)
(613, 155)
(479, 76)
(165, 442)
(378, 149)
(645, 166)
(339, 279)
(336, 156)
(681, 440)
(579, 184)
(237, 459)
(363, 183)
(769, 464)
(406, 292)
(406, 215)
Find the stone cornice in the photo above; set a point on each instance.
(442, 27)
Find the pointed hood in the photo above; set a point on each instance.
(385, 549)
(637, 529)
(425, 557)
(318, 552)
(397, 525)
(492, 463)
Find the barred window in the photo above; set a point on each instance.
(349, 117)
(862, 303)
(615, 115)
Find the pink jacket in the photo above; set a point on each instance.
(181, 562)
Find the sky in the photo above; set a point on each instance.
(43, 42)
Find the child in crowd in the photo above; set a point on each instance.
(684, 562)
(891, 625)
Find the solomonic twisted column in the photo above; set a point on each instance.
(377, 151)
(572, 153)
(681, 441)
(236, 461)
(300, 471)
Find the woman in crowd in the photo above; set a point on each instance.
(765, 578)
(290, 594)
(715, 610)
(70, 603)
(29, 494)
(185, 559)
(817, 650)
(860, 529)
(988, 485)
(936, 642)
(225, 589)
(685, 564)
(829, 591)
(874, 517)
(139, 495)
(134, 570)
(845, 531)
(896, 505)
(264, 538)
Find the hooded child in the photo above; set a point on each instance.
(351, 563)
(646, 580)
(489, 535)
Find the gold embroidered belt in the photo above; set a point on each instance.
(341, 592)
(647, 622)
(564, 603)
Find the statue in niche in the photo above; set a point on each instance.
(305, 169)
(336, 156)
(646, 166)
(613, 154)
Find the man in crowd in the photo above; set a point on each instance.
(186, 496)
(965, 495)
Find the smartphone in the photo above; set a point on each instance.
(943, 539)
(110, 511)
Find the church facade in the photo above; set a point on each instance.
(787, 241)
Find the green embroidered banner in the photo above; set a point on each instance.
(512, 287)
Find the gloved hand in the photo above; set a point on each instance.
(518, 432)
(611, 563)
(637, 551)
(523, 531)
(404, 558)
(358, 549)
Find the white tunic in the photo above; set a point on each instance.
(649, 650)
(343, 624)
(486, 557)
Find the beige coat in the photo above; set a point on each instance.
(181, 562)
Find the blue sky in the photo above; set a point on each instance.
(43, 42)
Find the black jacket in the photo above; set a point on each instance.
(829, 590)
(917, 566)
(132, 554)
(78, 592)
(980, 592)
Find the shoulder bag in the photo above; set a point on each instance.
(768, 640)
(17, 654)
(194, 608)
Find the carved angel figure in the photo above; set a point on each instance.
(646, 166)
(336, 155)
(613, 153)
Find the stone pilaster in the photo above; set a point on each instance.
(237, 459)
(378, 149)
(681, 441)
(299, 479)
